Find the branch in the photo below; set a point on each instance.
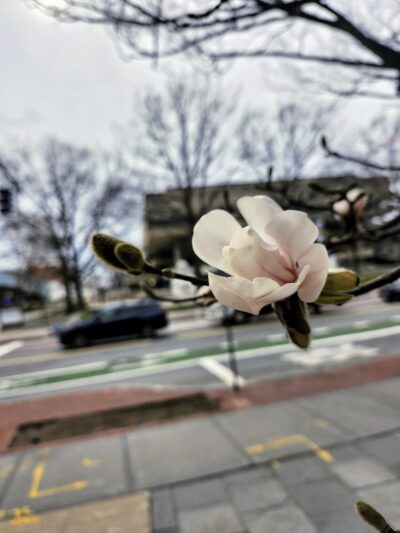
(358, 160)
(155, 296)
(376, 283)
(297, 56)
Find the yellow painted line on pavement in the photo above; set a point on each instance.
(38, 472)
(283, 442)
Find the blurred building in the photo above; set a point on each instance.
(169, 217)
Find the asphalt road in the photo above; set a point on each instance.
(194, 353)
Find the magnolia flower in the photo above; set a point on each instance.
(270, 259)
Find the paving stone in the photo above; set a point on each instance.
(163, 510)
(221, 518)
(321, 497)
(301, 470)
(248, 475)
(388, 386)
(361, 472)
(258, 433)
(346, 452)
(181, 451)
(130, 513)
(386, 499)
(66, 475)
(283, 520)
(385, 450)
(259, 494)
(346, 521)
(8, 464)
(200, 494)
(358, 414)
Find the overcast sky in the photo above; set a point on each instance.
(67, 79)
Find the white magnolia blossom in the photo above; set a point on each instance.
(268, 260)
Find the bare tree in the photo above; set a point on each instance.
(287, 140)
(179, 141)
(62, 201)
(362, 39)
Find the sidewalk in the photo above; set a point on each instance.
(294, 465)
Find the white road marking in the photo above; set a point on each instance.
(275, 336)
(362, 324)
(322, 329)
(167, 353)
(333, 354)
(10, 347)
(224, 344)
(221, 372)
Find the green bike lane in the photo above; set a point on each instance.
(330, 345)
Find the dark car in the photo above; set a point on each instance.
(141, 318)
(391, 292)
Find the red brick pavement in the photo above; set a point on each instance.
(72, 404)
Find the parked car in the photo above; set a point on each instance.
(140, 318)
(11, 317)
(390, 292)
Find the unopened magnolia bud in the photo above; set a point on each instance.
(293, 314)
(341, 280)
(103, 247)
(131, 257)
(337, 284)
(372, 517)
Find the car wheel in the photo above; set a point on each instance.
(148, 331)
(80, 341)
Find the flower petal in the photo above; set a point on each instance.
(249, 296)
(250, 258)
(211, 233)
(258, 211)
(293, 231)
(317, 259)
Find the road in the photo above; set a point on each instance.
(194, 354)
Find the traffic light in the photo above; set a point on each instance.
(5, 201)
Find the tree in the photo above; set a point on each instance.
(359, 38)
(179, 141)
(66, 193)
(286, 141)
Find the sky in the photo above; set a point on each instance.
(68, 80)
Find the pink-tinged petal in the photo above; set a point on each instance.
(293, 231)
(234, 292)
(258, 211)
(250, 258)
(211, 233)
(317, 259)
(249, 296)
(280, 294)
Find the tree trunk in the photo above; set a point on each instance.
(66, 279)
(77, 282)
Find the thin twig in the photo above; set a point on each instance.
(358, 160)
(155, 296)
(376, 283)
